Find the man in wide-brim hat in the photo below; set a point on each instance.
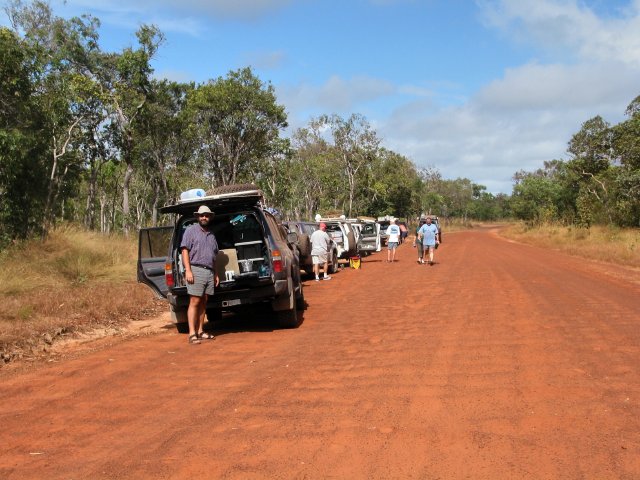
(199, 249)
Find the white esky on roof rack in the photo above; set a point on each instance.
(244, 193)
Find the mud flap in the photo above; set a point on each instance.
(178, 314)
(287, 301)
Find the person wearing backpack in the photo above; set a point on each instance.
(417, 242)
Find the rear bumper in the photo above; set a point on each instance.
(224, 299)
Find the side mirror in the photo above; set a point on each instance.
(292, 237)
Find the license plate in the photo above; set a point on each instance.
(231, 303)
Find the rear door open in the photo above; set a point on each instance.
(153, 251)
(369, 240)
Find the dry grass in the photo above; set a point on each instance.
(74, 281)
(608, 244)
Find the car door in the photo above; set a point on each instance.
(153, 251)
(369, 240)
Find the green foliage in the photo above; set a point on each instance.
(22, 148)
(600, 183)
(88, 136)
(535, 198)
(238, 123)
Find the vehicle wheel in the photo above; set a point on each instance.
(237, 187)
(214, 315)
(289, 318)
(300, 305)
(304, 245)
(334, 263)
(182, 327)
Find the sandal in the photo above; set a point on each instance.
(194, 339)
(206, 336)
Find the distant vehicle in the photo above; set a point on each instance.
(257, 262)
(384, 223)
(369, 239)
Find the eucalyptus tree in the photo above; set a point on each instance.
(237, 121)
(64, 51)
(163, 142)
(271, 172)
(310, 175)
(394, 187)
(592, 156)
(626, 142)
(355, 145)
(535, 197)
(125, 80)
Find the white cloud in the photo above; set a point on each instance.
(535, 87)
(336, 94)
(516, 122)
(569, 25)
(174, 76)
(265, 60)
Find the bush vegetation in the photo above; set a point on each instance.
(74, 281)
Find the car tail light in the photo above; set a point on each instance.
(168, 275)
(277, 261)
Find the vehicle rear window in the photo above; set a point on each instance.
(368, 228)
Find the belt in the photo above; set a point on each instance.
(201, 266)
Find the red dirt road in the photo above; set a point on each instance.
(501, 361)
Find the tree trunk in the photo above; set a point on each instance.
(126, 211)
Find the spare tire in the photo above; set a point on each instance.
(304, 245)
(233, 188)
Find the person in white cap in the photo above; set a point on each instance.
(199, 249)
(393, 234)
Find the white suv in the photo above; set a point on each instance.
(344, 234)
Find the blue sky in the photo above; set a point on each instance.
(477, 89)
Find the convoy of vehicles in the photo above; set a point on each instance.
(261, 258)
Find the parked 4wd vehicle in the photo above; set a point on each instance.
(384, 224)
(256, 263)
(304, 231)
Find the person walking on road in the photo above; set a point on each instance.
(393, 237)
(430, 239)
(404, 231)
(320, 245)
(417, 242)
(199, 249)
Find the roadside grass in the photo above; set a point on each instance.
(608, 244)
(74, 281)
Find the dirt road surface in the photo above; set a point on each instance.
(502, 361)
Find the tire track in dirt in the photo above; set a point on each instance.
(501, 361)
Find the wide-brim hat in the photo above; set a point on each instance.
(203, 210)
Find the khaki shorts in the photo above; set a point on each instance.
(319, 259)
